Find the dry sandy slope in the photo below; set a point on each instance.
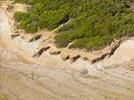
(49, 78)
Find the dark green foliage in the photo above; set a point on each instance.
(27, 22)
(95, 24)
(20, 16)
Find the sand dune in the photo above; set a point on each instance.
(48, 77)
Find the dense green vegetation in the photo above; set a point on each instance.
(94, 23)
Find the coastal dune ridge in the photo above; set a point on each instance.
(55, 75)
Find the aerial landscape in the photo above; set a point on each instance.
(66, 50)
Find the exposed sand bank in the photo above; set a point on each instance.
(47, 39)
(124, 53)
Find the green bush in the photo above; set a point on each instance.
(20, 16)
(92, 43)
(31, 29)
(95, 23)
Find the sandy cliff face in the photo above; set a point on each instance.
(48, 77)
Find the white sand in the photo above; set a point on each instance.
(123, 54)
(5, 39)
(30, 47)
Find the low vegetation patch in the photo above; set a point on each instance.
(95, 24)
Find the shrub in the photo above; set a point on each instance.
(95, 22)
(20, 16)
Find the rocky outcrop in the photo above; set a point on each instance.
(41, 51)
(85, 58)
(65, 56)
(53, 51)
(115, 47)
(36, 37)
(14, 35)
(74, 58)
(99, 58)
(9, 8)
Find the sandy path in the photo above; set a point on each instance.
(56, 79)
(5, 39)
